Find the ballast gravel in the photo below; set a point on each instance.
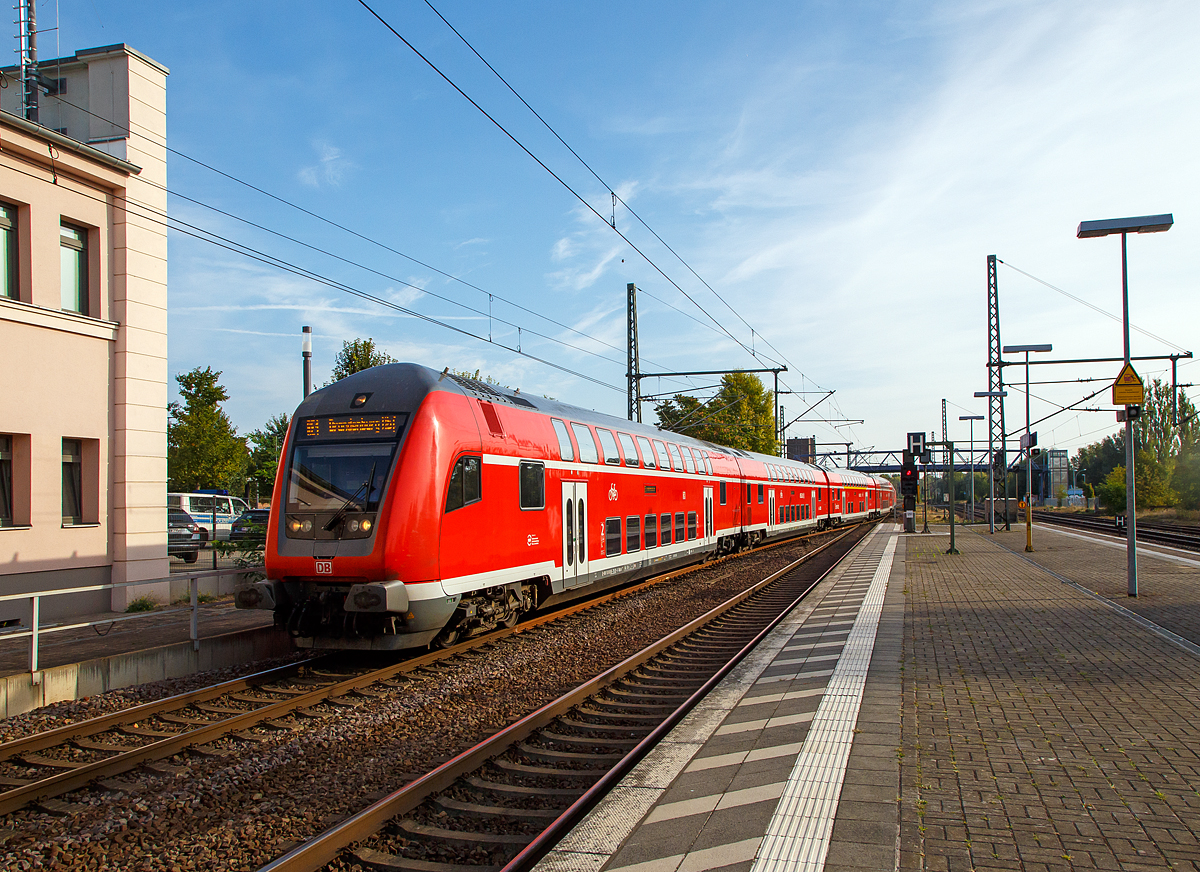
(241, 803)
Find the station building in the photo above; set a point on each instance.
(83, 328)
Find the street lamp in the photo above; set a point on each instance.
(972, 419)
(306, 357)
(1125, 226)
(1028, 446)
(991, 468)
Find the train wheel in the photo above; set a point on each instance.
(448, 638)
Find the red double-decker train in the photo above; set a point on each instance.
(413, 507)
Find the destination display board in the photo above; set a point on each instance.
(352, 426)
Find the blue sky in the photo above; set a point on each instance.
(838, 172)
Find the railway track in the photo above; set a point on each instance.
(505, 802)
(220, 720)
(1175, 535)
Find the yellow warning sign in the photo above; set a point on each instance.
(1128, 389)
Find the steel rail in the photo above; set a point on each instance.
(327, 846)
(1170, 535)
(80, 776)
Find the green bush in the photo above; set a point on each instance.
(141, 604)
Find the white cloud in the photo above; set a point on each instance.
(329, 170)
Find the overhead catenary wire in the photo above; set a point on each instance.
(368, 239)
(156, 216)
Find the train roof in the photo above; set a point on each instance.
(395, 386)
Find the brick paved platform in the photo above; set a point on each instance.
(1042, 729)
(1012, 718)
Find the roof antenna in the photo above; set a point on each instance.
(443, 375)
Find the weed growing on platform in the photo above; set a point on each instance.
(141, 604)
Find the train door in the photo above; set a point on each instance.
(709, 532)
(574, 534)
(771, 519)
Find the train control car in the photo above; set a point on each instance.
(413, 507)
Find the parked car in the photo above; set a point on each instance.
(209, 509)
(185, 537)
(250, 526)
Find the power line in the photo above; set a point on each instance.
(152, 214)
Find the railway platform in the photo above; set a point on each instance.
(986, 710)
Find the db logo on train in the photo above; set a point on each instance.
(324, 567)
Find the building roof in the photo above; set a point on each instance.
(67, 142)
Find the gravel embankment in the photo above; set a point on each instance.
(242, 810)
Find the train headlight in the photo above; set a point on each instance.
(294, 525)
(367, 525)
(353, 526)
(307, 525)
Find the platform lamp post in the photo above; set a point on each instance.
(1028, 446)
(992, 470)
(1125, 226)
(306, 357)
(972, 419)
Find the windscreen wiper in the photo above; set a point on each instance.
(340, 514)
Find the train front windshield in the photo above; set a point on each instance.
(342, 462)
(327, 477)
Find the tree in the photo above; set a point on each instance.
(265, 447)
(1155, 429)
(1151, 488)
(1185, 480)
(741, 415)
(1097, 460)
(356, 356)
(1112, 490)
(203, 448)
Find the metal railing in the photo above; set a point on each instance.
(36, 630)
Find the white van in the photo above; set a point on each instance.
(201, 507)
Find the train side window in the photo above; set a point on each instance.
(664, 459)
(611, 454)
(722, 493)
(633, 533)
(664, 530)
(749, 493)
(679, 527)
(533, 484)
(688, 460)
(651, 530)
(466, 483)
(647, 452)
(760, 493)
(677, 461)
(691, 525)
(628, 449)
(612, 536)
(565, 450)
(588, 452)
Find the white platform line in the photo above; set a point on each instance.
(797, 838)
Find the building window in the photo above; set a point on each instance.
(72, 482)
(8, 252)
(633, 533)
(74, 269)
(466, 483)
(533, 484)
(612, 536)
(6, 481)
(651, 530)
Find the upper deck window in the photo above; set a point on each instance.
(677, 460)
(588, 450)
(664, 459)
(647, 452)
(688, 460)
(609, 444)
(565, 450)
(628, 449)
